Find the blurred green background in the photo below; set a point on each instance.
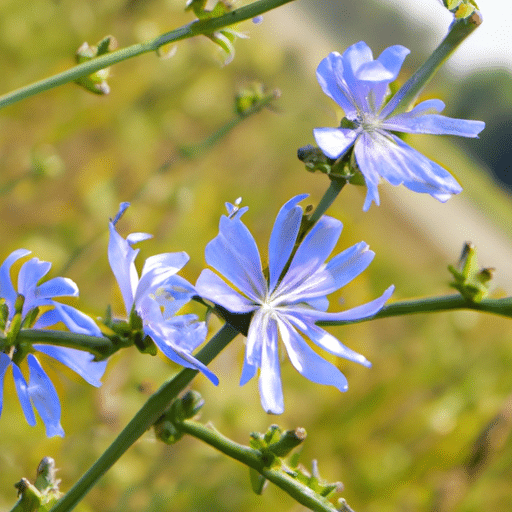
(403, 437)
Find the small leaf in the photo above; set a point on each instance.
(107, 44)
(4, 314)
(258, 482)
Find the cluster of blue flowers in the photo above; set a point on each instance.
(157, 296)
(360, 85)
(284, 301)
(39, 391)
(290, 300)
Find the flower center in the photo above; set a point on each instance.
(268, 306)
(368, 121)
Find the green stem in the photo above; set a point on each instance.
(406, 96)
(100, 347)
(192, 29)
(147, 415)
(253, 458)
(330, 195)
(103, 347)
(502, 307)
(197, 150)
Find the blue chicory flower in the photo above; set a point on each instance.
(157, 296)
(39, 392)
(290, 300)
(359, 85)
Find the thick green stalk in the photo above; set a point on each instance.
(253, 459)
(330, 195)
(502, 307)
(101, 347)
(143, 420)
(192, 29)
(406, 96)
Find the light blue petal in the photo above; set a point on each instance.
(353, 58)
(424, 119)
(271, 390)
(210, 286)
(175, 353)
(337, 273)
(234, 210)
(234, 254)
(157, 269)
(122, 208)
(79, 361)
(321, 303)
(248, 372)
(44, 397)
(121, 258)
(391, 59)
(317, 244)
(7, 290)
(372, 185)
(174, 294)
(57, 287)
(426, 176)
(327, 341)
(169, 261)
(335, 142)
(183, 330)
(283, 238)
(76, 321)
(189, 332)
(364, 311)
(307, 362)
(47, 319)
(261, 331)
(433, 106)
(5, 361)
(330, 77)
(374, 71)
(197, 365)
(149, 310)
(310, 256)
(435, 125)
(305, 289)
(398, 163)
(364, 147)
(349, 264)
(72, 318)
(30, 273)
(135, 238)
(23, 395)
(357, 57)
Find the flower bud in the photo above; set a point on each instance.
(471, 281)
(192, 402)
(95, 82)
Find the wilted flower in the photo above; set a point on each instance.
(359, 84)
(21, 310)
(157, 296)
(289, 299)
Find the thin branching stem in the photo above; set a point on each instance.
(253, 459)
(143, 420)
(195, 28)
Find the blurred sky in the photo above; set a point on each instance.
(489, 45)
